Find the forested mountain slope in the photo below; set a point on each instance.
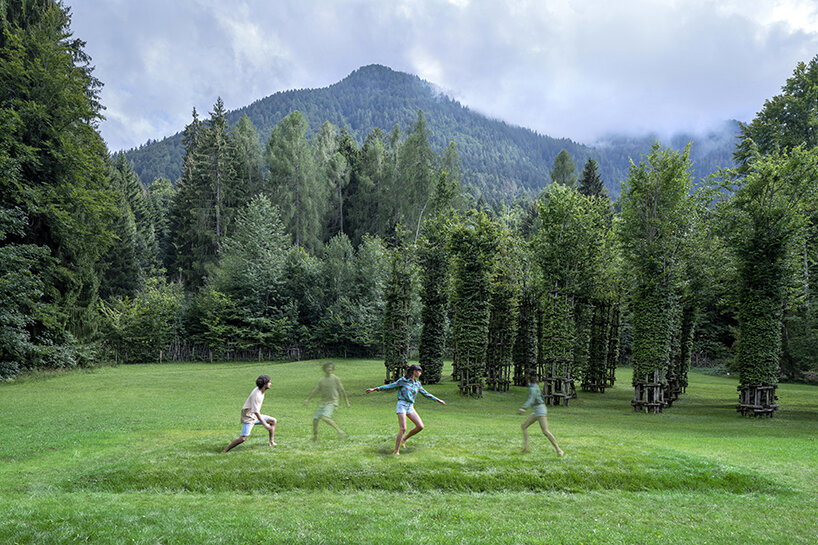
(499, 160)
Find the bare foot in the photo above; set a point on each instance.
(342, 435)
(273, 444)
(315, 439)
(524, 450)
(560, 453)
(396, 453)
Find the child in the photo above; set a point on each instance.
(408, 388)
(251, 414)
(330, 388)
(535, 400)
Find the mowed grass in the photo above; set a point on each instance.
(131, 454)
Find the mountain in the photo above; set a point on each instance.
(499, 160)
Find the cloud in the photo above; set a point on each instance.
(573, 69)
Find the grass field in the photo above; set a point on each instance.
(130, 454)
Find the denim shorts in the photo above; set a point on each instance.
(404, 407)
(247, 428)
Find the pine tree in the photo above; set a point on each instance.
(590, 183)
(49, 111)
(293, 183)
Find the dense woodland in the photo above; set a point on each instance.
(500, 162)
(297, 241)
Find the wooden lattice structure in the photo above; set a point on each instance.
(649, 395)
(470, 383)
(757, 399)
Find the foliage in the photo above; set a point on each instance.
(433, 261)
(20, 294)
(292, 182)
(397, 312)
(139, 329)
(590, 182)
(564, 170)
(503, 308)
(655, 222)
(766, 219)
(473, 244)
(53, 162)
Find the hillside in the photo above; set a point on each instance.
(499, 160)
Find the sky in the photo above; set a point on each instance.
(576, 69)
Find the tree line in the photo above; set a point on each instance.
(305, 245)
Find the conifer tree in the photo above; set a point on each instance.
(250, 156)
(293, 183)
(590, 182)
(56, 171)
(416, 174)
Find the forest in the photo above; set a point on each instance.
(300, 241)
(499, 162)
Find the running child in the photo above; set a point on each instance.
(537, 403)
(251, 414)
(408, 387)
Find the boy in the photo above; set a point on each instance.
(331, 389)
(251, 414)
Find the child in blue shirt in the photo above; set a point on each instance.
(408, 388)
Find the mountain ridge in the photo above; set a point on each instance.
(500, 161)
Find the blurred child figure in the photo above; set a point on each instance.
(251, 414)
(537, 403)
(330, 388)
(408, 388)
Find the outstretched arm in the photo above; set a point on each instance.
(430, 396)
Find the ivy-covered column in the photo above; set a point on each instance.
(434, 271)
(473, 244)
(398, 293)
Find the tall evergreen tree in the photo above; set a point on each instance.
(590, 182)
(250, 156)
(292, 179)
(49, 112)
(416, 176)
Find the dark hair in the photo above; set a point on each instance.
(531, 375)
(327, 364)
(262, 380)
(411, 368)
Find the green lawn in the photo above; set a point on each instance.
(131, 454)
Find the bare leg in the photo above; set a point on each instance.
(401, 431)
(415, 418)
(272, 421)
(544, 427)
(332, 423)
(315, 429)
(234, 443)
(527, 422)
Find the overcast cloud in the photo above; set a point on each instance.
(567, 69)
